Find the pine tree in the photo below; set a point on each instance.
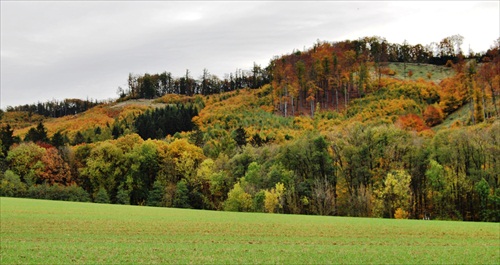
(57, 139)
(240, 136)
(7, 138)
(38, 134)
(155, 195)
(181, 199)
(101, 196)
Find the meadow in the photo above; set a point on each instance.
(56, 232)
(421, 70)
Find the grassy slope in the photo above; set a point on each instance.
(462, 115)
(54, 232)
(438, 73)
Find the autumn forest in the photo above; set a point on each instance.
(360, 127)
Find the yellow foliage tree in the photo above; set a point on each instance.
(238, 200)
(400, 214)
(274, 198)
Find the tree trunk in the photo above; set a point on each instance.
(472, 110)
(493, 98)
(286, 101)
(337, 99)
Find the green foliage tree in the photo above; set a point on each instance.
(106, 168)
(240, 136)
(7, 138)
(482, 189)
(158, 123)
(25, 160)
(144, 166)
(11, 185)
(238, 200)
(58, 192)
(122, 195)
(101, 196)
(57, 139)
(181, 199)
(155, 196)
(78, 139)
(38, 134)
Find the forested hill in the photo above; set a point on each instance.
(352, 128)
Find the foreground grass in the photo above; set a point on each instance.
(55, 232)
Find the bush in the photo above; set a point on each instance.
(122, 196)
(11, 185)
(401, 214)
(58, 192)
(101, 196)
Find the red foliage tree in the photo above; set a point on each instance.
(433, 115)
(411, 122)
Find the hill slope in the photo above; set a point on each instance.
(325, 136)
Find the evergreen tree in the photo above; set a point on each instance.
(78, 139)
(181, 199)
(57, 140)
(122, 196)
(240, 136)
(38, 134)
(7, 138)
(155, 195)
(158, 123)
(101, 196)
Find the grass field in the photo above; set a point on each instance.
(55, 232)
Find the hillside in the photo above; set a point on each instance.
(327, 131)
(105, 114)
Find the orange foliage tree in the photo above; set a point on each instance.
(411, 122)
(433, 115)
(55, 170)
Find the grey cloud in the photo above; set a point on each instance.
(79, 49)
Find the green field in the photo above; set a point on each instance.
(55, 232)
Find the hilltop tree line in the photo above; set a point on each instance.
(56, 109)
(329, 72)
(151, 86)
(330, 75)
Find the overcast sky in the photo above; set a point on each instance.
(63, 49)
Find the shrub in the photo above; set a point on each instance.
(401, 214)
(11, 185)
(101, 196)
(58, 192)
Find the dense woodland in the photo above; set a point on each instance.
(333, 130)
